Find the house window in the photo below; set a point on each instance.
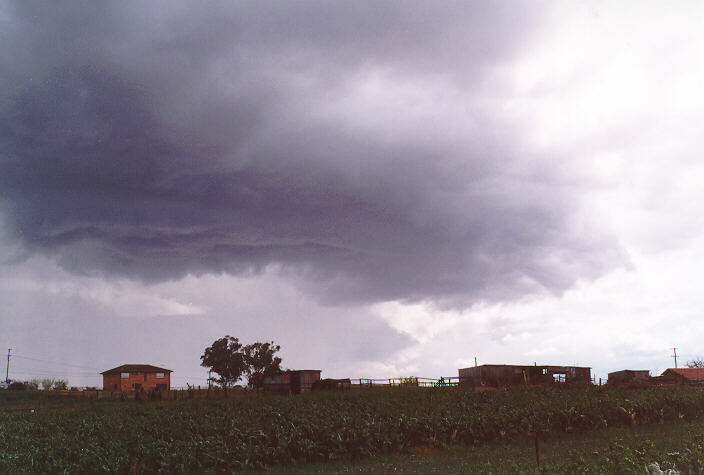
(159, 375)
(124, 375)
(145, 376)
(114, 386)
(545, 371)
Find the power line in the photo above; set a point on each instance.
(56, 362)
(41, 373)
(53, 371)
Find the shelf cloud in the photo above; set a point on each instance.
(361, 149)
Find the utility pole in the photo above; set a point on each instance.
(674, 355)
(7, 372)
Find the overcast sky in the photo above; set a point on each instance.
(384, 189)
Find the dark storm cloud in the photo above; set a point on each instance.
(154, 140)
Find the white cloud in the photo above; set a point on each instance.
(119, 297)
(627, 319)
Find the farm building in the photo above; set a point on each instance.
(137, 377)
(292, 381)
(329, 384)
(694, 376)
(629, 376)
(495, 375)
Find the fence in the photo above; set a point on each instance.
(194, 392)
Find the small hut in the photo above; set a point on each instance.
(629, 377)
(292, 381)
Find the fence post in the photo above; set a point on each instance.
(537, 449)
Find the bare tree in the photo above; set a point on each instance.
(696, 363)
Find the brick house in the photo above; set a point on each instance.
(136, 377)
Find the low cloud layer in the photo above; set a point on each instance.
(362, 150)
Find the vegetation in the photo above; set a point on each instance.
(261, 362)
(18, 402)
(265, 431)
(651, 449)
(695, 363)
(230, 361)
(225, 358)
(17, 386)
(51, 383)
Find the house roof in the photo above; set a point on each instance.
(692, 374)
(137, 368)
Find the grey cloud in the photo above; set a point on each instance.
(155, 141)
(54, 316)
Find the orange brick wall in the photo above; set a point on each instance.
(114, 381)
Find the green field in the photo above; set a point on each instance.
(678, 446)
(395, 427)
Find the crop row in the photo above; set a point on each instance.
(259, 432)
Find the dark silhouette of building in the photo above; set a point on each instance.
(494, 375)
(629, 377)
(292, 381)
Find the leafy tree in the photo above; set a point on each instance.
(695, 363)
(261, 362)
(47, 383)
(33, 384)
(60, 384)
(225, 358)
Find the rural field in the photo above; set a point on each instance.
(588, 429)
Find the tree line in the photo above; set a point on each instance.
(46, 384)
